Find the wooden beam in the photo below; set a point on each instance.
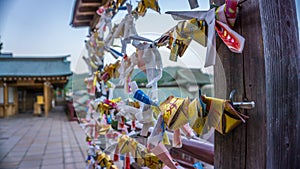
(80, 24)
(85, 4)
(27, 84)
(84, 17)
(20, 82)
(86, 9)
(93, 1)
(86, 13)
(58, 81)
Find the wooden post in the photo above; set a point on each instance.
(5, 107)
(49, 97)
(16, 98)
(52, 96)
(46, 98)
(267, 72)
(24, 93)
(282, 65)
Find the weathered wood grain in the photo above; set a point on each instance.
(267, 72)
(282, 67)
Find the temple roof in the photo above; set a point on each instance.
(84, 12)
(30, 66)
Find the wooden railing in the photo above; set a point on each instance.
(200, 150)
(197, 149)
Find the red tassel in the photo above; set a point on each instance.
(133, 125)
(116, 154)
(127, 161)
(123, 122)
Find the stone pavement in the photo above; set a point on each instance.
(30, 142)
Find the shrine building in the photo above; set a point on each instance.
(29, 83)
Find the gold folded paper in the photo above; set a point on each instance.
(193, 29)
(152, 161)
(182, 35)
(152, 4)
(134, 104)
(110, 71)
(103, 129)
(222, 115)
(177, 45)
(124, 144)
(104, 160)
(174, 112)
(166, 139)
(139, 153)
(141, 9)
(103, 108)
(133, 145)
(197, 116)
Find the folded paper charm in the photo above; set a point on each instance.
(105, 20)
(124, 144)
(193, 29)
(143, 5)
(104, 161)
(225, 18)
(221, 115)
(209, 18)
(163, 154)
(174, 112)
(110, 71)
(157, 133)
(177, 143)
(152, 4)
(151, 59)
(197, 116)
(177, 44)
(152, 162)
(140, 95)
(227, 12)
(232, 40)
(125, 29)
(125, 70)
(140, 9)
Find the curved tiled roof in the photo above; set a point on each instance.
(29, 66)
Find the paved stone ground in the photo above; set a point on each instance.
(30, 142)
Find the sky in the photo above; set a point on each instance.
(39, 28)
(42, 28)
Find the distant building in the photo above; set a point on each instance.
(28, 82)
